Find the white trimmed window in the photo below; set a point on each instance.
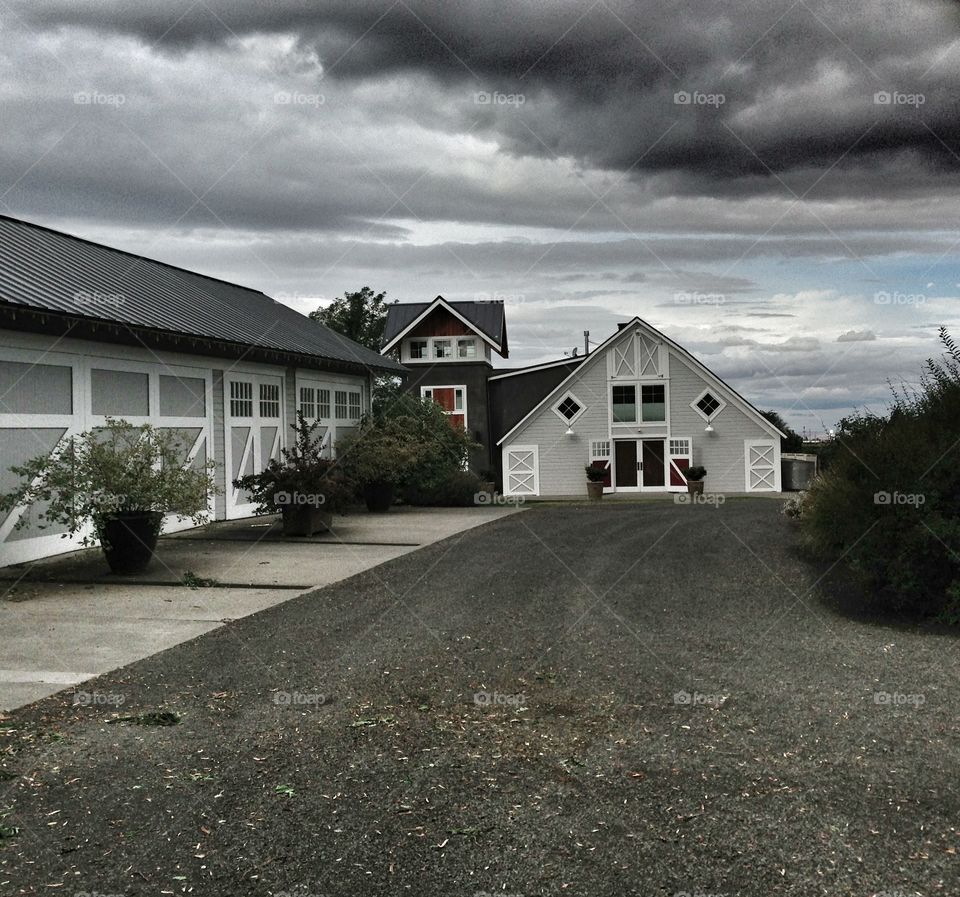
(679, 447)
(708, 404)
(442, 348)
(323, 404)
(308, 402)
(599, 449)
(354, 406)
(241, 398)
(466, 348)
(269, 400)
(340, 396)
(569, 408)
(418, 348)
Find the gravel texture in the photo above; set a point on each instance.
(642, 699)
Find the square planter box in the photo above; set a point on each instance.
(305, 521)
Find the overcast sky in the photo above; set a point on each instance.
(772, 183)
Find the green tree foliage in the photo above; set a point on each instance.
(792, 441)
(889, 502)
(405, 441)
(361, 316)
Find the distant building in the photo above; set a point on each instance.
(639, 406)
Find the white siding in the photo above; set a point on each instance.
(563, 458)
(722, 451)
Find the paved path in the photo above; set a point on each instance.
(615, 701)
(68, 619)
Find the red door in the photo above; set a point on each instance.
(451, 399)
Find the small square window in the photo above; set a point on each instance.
(466, 348)
(418, 348)
(708, 404)
(442, 348)
(569, 408)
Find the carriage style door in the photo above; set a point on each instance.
(640, 465)
(253, 407)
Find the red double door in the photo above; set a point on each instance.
(451, 400)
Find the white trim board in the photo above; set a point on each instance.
(440, 302)
(682, 355)
(540, 367)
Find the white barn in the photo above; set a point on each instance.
(644, 409)
(87, 332)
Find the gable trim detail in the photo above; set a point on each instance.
(440, 302)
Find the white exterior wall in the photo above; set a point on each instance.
(26, 433)
(562, 458)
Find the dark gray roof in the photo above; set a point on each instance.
(51, 271)
(487, 316)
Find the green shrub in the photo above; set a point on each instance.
(888, 503)
(458, 489)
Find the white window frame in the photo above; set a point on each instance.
(426, 349)
(470, 341)
(569, 421)
(436, 342)
(720, 407)
(426, 392)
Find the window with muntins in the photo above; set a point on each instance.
(466, 348)
(653, 403)
(442, 348)
(241, 398)
(708, 404)
(323, 403)
(269, 400)
(340, 397)
(354, 406)
(308, 403)
(624, 399)
(418, 348)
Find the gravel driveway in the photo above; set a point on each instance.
(640, 699)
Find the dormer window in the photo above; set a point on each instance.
(466, 348)
(442, 348)
(418, 348)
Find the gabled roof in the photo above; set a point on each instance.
(686, 357)
(486, 319)
(56, 273)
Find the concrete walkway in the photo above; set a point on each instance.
(68, 619)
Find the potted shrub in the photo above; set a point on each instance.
(301, 485)
(114, 485)
(375, 458)
(595, 478)
(695, 477)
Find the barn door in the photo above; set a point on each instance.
(681, 457)
(521, 470)
(452, 399)
(762, 460)
(253, 432)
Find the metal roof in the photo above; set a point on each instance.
(50, 271)
(487, 316)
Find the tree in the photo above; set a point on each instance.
(361, 316)
(792, 441)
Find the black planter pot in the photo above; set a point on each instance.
(305, 521)
(378, 496)
(129, 539)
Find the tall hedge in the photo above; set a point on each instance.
(889, 502)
